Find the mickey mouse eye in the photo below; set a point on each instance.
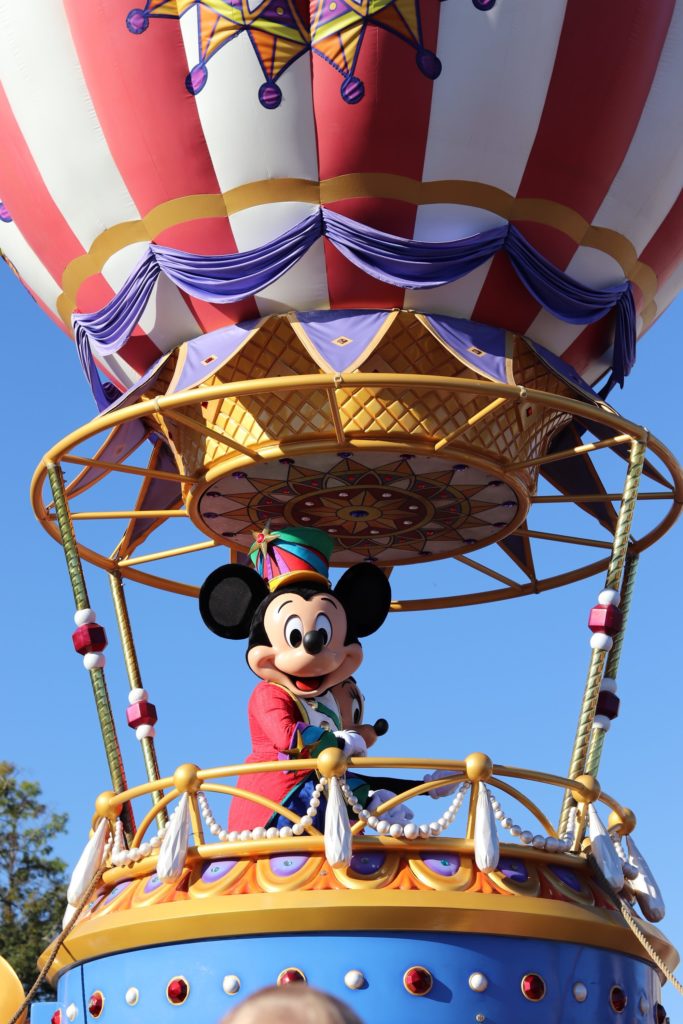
(323, 625)
(294, 631)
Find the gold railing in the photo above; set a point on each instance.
(470, 774)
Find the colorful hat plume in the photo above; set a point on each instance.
(291, 555)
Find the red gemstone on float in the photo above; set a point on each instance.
(56, 1017)
(533, 987)
(95, 1004)
(618, 1000)
(418, 981)
(141, 713)
(289, 976)
(177, 990)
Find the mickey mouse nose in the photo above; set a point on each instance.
(314, 641)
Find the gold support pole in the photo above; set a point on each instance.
(99, 686)
(596, 668)
(135, 680)
(597, 740)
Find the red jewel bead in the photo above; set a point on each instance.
(290, 975)
(660, 1014)
(533, 987)
(56, 1017)
(605, 619)
(618, 999)
(260, 537)
(89, 638)
(418, 981)
(95, 1004)
(608, 705)
(177, 991)
(141, 713)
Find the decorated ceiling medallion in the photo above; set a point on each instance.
(393, 508)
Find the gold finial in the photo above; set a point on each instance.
(624, 821)
(185, 778)
(590, 789)
(479, 767)
(332, 762)
(106, 806)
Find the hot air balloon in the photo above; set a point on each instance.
(375, 268)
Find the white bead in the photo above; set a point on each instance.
(354, 979)
(602, 722)
(580, 992)
(234, 836)
(272, 833)
(298, 829)
(315, 802)
(609, 597)
(601, 642)
(506, 822)
(363, 815)
(383, 827)
(117, 858)
(134, 854)
(411, 831)
(499, 814)
(373, 821)
(424, 830)
(538, 842)
(434, 828)
(552, 844)
(84, 616)
(231, 984)
(515, 830)
(145, 849)
(609, 684)
(526, 837)
(258, 833)
(478, 982)
(223, 835)
(442, 823)
(132, 996)
(93, 660)
(396, 831)
(245, 835)
(145, 732)
(154, 842)
(137, 694)
(356, 808)
(286, 832)
(307, 820)
(495, 804)
(215, 829)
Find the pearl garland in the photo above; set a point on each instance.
(551, 844)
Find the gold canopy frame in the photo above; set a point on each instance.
(329, 393)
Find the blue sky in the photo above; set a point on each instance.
(505, 678)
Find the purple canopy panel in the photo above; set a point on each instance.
(480, 347)
(519, 550)
(119, 444)
(340, 340)
(562, 369)
(578, 475)
(202, 356)
(154, 494)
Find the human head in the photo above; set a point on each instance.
(281, 1005)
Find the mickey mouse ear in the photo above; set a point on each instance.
(365, 593)
(228, 599)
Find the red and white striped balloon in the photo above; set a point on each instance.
(211, 126)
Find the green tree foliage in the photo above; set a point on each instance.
(32, 880)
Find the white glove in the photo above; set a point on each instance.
(440, 773)
(354, 744)
(401, 814)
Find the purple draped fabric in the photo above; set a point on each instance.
(404, 262)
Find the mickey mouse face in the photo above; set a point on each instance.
(308, 650)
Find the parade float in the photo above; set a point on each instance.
(352, 283)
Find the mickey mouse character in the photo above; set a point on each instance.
(304, 640)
